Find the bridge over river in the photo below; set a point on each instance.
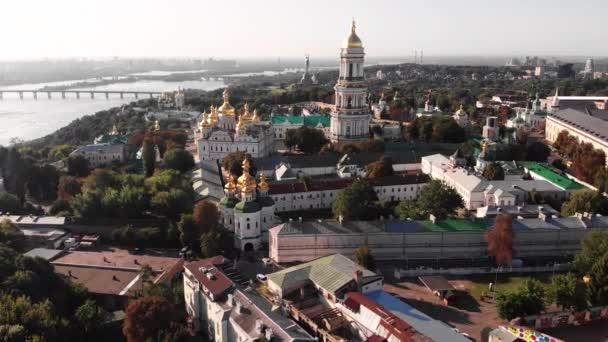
(49, 93)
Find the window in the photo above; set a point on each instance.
(248, 226)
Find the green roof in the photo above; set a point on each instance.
(454, 225)
(331, 273)
(112, 139)
(247, 207)
(553, 177)
(309, 121)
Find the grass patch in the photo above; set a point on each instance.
(506, 282)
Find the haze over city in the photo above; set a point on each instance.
(192, 28)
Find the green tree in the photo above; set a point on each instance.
(149, 157)
(68, 187)
(364, 258)
(598, 286)
(171, 203)
(493, 171)
(78, 166)
(216, 242)
(354, 201)
(188, 229)
(308, 140)
(434, 198)
(60, 151)
(593, 247)
(9, 203)
(90, 316)
(583, 201)
(528, 299)
(146, 274)
(178, 159)
(568, 292)
(206, 216)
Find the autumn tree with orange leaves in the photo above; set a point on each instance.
(500, 240)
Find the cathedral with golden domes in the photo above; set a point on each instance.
(247, 209)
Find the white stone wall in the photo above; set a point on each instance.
(554, 127)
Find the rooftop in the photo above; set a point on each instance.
(33, 220)
(331, 273)
(594, 122)
(553, 177)
(217, 282)
(44, 253)
(309, 121)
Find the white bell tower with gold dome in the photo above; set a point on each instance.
(350, 121)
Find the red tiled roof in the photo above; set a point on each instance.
(101, 280)
(118, 258)
(219, 282)
(286, 188)
(393, 324)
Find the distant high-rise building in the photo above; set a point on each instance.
(589, 69)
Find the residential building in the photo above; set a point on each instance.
(221, 306)
(282, 123)
(112, 276)
(477, 192)
(587, 126)
(99, 155)
(389, 239)
(339, 300)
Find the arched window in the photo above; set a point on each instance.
(248, 226)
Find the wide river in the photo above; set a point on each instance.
(30, 119)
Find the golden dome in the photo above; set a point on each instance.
(255, 117)
(263, 186)
(205, 122)
(240, 124)
(246, 116)
(230, 185)
(352, 41)
(246, 182)
(214, 117)
(226, 108)
(461, 111)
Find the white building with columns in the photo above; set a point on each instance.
(351, 118)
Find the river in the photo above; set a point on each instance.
(30, 119)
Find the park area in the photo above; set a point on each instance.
(476, 317)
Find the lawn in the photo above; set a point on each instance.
(505, 282)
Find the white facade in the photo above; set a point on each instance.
(350, 121)
(101, 154)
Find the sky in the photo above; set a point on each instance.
(290, 28)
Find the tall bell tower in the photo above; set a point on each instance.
(350, 121)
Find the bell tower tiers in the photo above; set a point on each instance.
(350, 121)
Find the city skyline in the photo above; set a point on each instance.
(242, 29)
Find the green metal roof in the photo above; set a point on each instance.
(331, 273)
(454, 225)
(247, 207)
(113, 139)
(309, 121)
(553, 177)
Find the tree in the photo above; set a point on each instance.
(568, 292)
(60, 151)
(528, 299)
(179, 159)
(537, 151)
(146, 317)
(598, 286)
(593, 247)
(380, 168)
(500, 240)
(206, 216)
(78, 166)
(493, 171)
(187, 229)
(90, 316)
(308, 140)
(233, 163)
(585, 201)
(587, 165)
(149, 157)
(364, 258)
(216, 242)
(9, 203)
(354, 201)
(146, 274)
(521, 136)
(68, 187)
(434, 198)
(171, 203)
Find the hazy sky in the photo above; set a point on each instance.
(288, 28)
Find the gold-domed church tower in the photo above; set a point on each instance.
(351, 118)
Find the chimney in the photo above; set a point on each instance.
(268, 334)
(239, 307)
(432, 218)
(136, 262)
(358, 279)
(230, 300)
(341, 219)
(543, 216)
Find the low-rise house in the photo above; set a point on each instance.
(113, 276)
(221, 306)
(39, 231)
(101, 154)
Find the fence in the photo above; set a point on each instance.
(401, 273)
